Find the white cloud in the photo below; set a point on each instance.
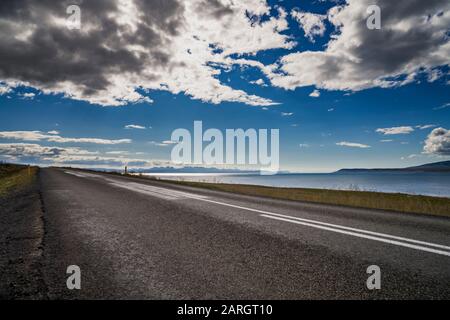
(39, 136)
(164, 143)
(169, 142)
(35, 153)
(4, 89)
(438, 142)
(411, 156)
(425, 126)
(26, 150)
(259, 82)
(53, 132)
(446, 105)
(28, 95)
(312, 24)
(331, 110)
(87, 140)
(413, 40)
(119, 153)
(135, 126)
(134, 47)
(71, 156)
(184, 47)
(352, 145)
(386, 140)
(396, 130)
(315, 94)
(287, 114)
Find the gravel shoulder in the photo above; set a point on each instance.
(21, 243)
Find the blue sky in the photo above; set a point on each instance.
(336, 129)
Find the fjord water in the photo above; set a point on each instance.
(418, 183)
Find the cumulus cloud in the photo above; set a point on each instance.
(413, 38)
(396, 130)
(352, 145)
(438, 142)
(65, 156)
(52, 137)
(35, 153)
(312, 24)
(124, 49)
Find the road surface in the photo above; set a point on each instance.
(135, 239)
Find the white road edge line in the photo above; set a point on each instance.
(359, 232)
(146, 192)
(379, 234)
(359, 235)
(140, 187)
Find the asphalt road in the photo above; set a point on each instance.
(144, 239)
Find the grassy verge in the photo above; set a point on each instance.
(361, 199)
(13, 177)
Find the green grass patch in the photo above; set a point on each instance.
(361, 199)
(15, 177)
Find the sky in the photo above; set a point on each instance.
(110, 93)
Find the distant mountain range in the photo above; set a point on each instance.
(443, 166)
(169, 169)
(189, 170)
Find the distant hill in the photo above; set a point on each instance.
(189, 170)
(443, 166)
(436, 166)
(176, 170)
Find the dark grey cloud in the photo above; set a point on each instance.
(391, 47)
(166, 15)
(38, 50)
(128, 45)
(214, 8)
(413, 38)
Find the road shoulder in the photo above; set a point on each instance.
(21, 243)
